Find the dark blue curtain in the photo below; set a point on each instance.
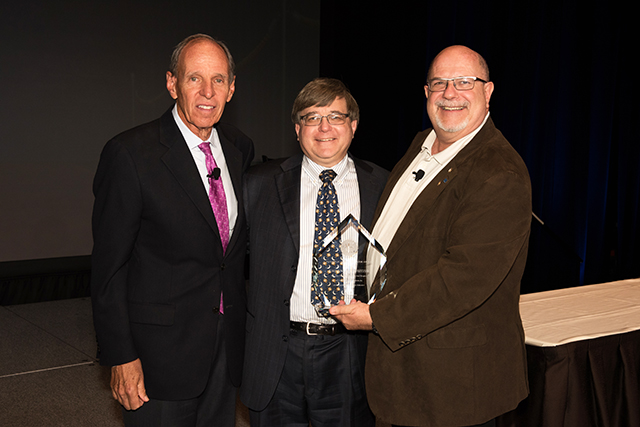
(564, 98)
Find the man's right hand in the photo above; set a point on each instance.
(127, 385)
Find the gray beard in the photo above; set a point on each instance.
(452, 129)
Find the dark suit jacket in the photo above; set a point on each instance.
(157, 264)
(451, 345)
(272, 198)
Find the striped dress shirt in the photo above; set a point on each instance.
(346, 184)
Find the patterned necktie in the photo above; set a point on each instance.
(217, 197)
(330, 261)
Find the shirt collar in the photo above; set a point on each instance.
(313, 169)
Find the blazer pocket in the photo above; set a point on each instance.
(456, 337)
(152, 314)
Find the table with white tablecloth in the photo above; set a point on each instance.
(583, 353)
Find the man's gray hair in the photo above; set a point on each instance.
(175, 56)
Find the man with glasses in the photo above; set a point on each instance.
(301, 367)
(448, 344)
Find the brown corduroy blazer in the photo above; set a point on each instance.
(450, 349)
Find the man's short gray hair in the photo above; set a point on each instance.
(175, 56)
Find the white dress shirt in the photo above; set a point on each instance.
(200, 159)
(346, 184)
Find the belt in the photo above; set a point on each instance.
(316, 329)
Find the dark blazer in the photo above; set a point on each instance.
(272, 199)
(157, 264)
(451, 345)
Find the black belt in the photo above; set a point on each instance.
(316, 329)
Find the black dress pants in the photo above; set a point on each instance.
(216, 406)
(322, 383)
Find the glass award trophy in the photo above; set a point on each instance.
(358, 277)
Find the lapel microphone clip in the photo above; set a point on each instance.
(215, 174)
(418, 175)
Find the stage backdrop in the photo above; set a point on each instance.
(76, 73)
(564, 97)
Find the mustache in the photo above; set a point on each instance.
(451, 104)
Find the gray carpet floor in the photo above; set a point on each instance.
(49, 376)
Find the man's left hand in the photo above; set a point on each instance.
(355, 315)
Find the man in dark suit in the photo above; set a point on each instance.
(300, 367)
(448, 348)
(167, 285)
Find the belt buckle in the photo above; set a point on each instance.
(307, 329)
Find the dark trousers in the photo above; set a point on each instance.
(322, 383)
(216, 406)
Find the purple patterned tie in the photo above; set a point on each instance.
(218, 202)
(216, 196)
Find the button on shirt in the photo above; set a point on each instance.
(200, 159)
(346, 184)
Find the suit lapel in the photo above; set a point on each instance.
(180, 163)
(440, 183)
(233, 158)
(422, 206)
(368, 192)
(288, 185)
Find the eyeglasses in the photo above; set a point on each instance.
(460, 83)
(314, 119)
